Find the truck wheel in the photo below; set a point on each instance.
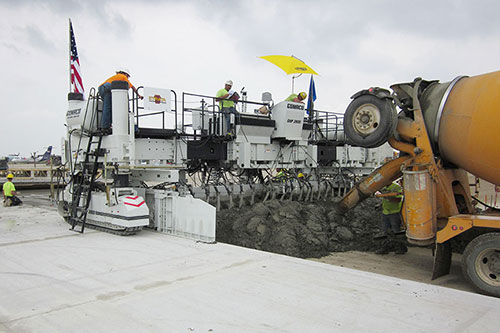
(370, 121)
(481, 263)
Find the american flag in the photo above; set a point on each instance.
(75, 74)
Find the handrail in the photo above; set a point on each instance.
(327, 125)
(136, 109)
(215, 113)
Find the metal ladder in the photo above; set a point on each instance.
(84, 182)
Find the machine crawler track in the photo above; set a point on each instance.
(109, 228)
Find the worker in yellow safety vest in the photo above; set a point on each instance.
(227, 98)
(9, 192)
(392, 200)
(298, 98)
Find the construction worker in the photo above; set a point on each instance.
(9, 192)
(105, 93)
(226, 98)
(297, 98)
(392, 200)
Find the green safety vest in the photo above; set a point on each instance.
(392, 207)
(224, 103)
(8, 187)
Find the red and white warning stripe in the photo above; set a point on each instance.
(136, 201)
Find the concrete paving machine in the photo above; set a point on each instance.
(108, 173)
(172, 169)
(443, 131)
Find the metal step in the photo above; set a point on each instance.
(75, 221)
(82, 209)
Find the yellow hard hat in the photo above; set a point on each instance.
(302, 95)
(301, 175)
(10, 176)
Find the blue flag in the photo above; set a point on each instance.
(312, 95)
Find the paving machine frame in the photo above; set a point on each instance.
(158, 154)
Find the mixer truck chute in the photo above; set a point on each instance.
(441, 131)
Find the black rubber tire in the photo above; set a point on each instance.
(475, 260)
(384, 129)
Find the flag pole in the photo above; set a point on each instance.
(69, 53)
(310, 102)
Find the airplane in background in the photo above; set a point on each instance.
(16, 158)
(12, 157)
(45, 156)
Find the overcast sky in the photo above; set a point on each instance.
(195, 46)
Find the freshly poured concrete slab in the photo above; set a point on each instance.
(55, 280)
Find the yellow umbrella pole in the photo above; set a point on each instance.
(293, 83)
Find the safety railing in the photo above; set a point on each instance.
(201, 116)
(141, 114)
(205, 117)
(327, 127)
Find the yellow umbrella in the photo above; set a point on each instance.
(290, 64)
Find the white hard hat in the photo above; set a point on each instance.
(229, 82)
(123, 70)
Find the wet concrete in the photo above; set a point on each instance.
(301, 229)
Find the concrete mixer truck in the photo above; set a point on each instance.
(442, 131)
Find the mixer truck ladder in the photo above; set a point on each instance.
(84, 183)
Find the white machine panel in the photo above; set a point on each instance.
(118, 147)
(253, 134)
(154, 149)
(289, 117)
(184, 216)
(126, 210)
(80, 113)
(266, 152)
(139, 175)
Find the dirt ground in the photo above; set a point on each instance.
(416, 265)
